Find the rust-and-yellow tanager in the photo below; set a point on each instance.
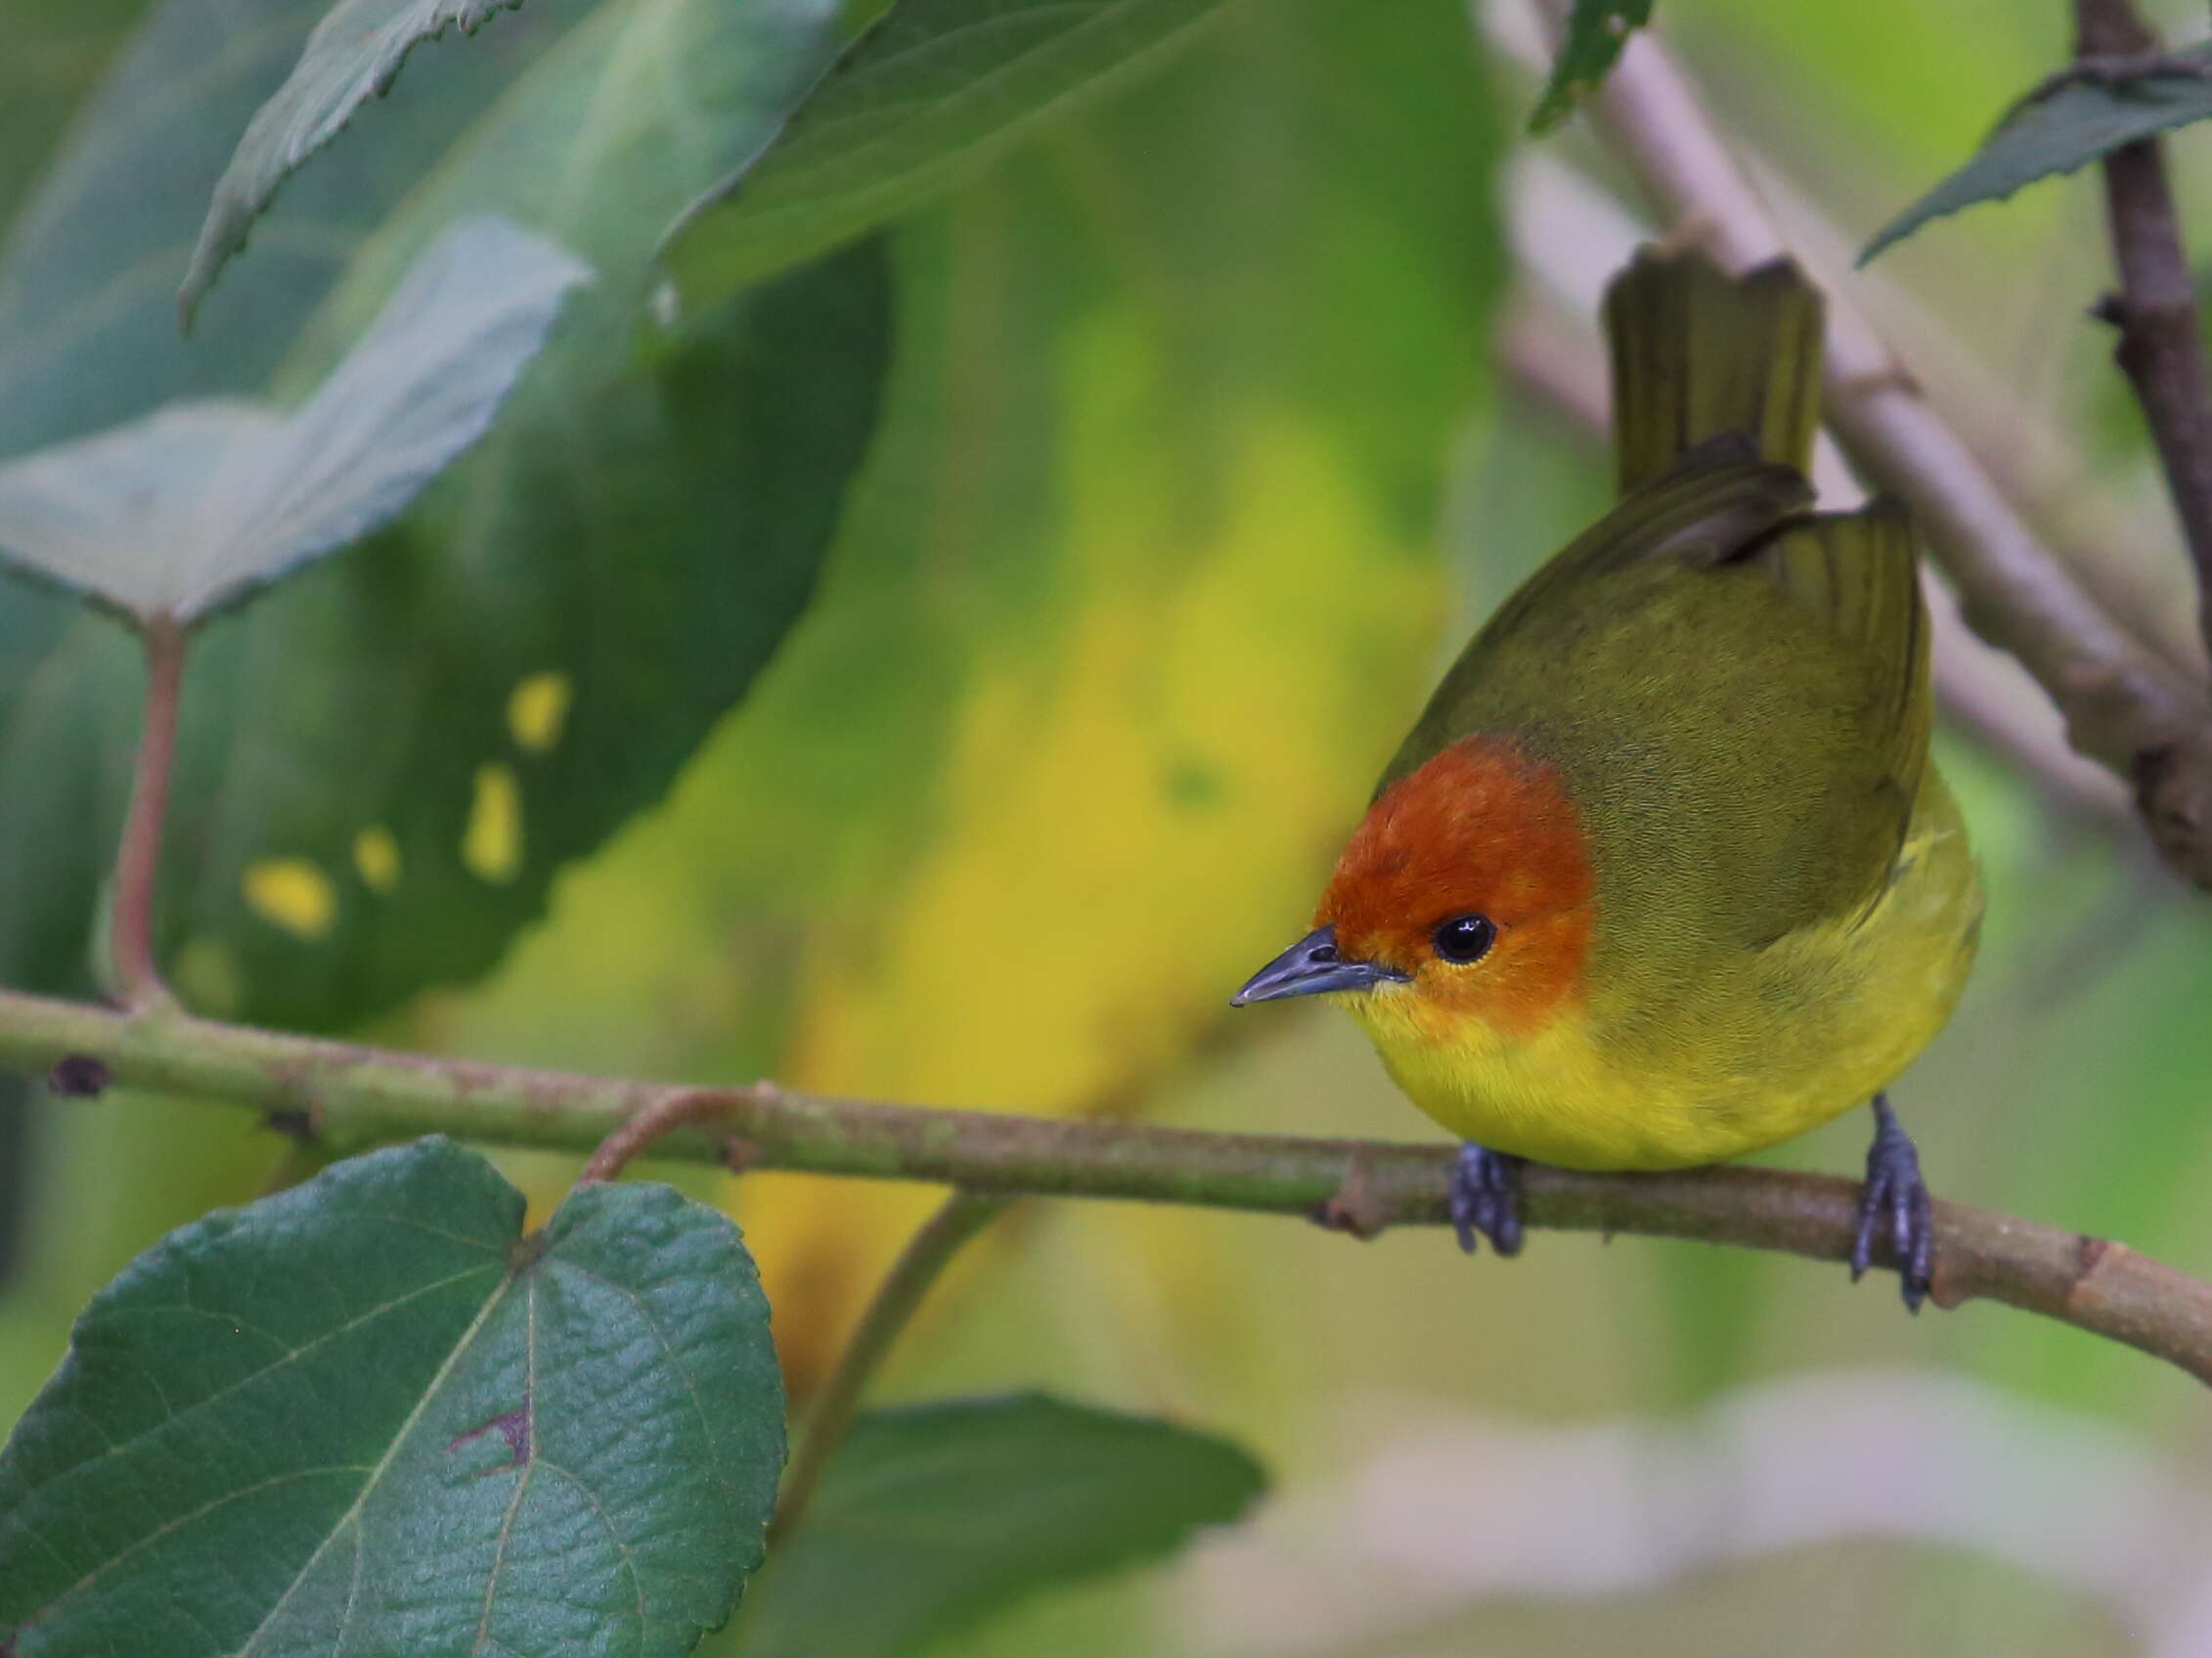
(1663, 874)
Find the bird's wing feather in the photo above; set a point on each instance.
(1717, 502)
(1859, 574)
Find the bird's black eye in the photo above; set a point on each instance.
(1464, 938)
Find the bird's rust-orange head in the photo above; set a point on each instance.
(1467, 892)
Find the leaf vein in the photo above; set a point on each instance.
(383, 1462)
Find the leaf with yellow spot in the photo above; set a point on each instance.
(491, 846)
(581, 598)
(375, 855)
(292, 893)
(1132, 603)
(538, 709)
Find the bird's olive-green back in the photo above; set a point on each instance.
(1734, 690)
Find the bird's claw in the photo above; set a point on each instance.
(1895, 1196)
(1485, 1199)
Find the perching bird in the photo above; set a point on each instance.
(1663, 874)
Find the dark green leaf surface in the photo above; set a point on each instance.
(933, 1517)
(932, 92)
(88, 340)
(355, 54)
(174, 514)
(2071, 128)
(57, 50)
(1596, 31)
(634, 538)
(90, 265)
(386, 761)
(366, 1415)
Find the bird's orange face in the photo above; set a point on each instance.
(1466, 894)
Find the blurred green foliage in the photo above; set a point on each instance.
(934, 1516)
(930, 94)
(1596, 31)
(355, 53)
(1136, 588)
(527, 691)
(58, 51)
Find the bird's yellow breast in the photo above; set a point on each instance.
(1735, 1052)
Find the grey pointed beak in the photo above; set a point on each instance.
(1313, 968)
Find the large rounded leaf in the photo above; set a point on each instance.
(385, 763)
(369, 1415)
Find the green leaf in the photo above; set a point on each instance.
(175, 514)
(88, 340)
(355, 54)
(369, 1415)
(538, 651)
(934, 1517)
(89, 268)
(2078, 122)
(1596, 32)
(56, 52)
(925, 97)
(387, 760)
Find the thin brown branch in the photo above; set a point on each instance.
(355, 1097)
(900, 1297)
(2161, 345)
(679, 1108)
(2124, 705)
(138, 978)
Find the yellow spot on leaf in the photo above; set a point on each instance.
(492, 844)
(537, 709)
(376, 854)
(292, 893)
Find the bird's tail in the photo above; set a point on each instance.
(1697, 353)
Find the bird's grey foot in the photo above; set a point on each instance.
(1485, 1199)
(1897, 1201)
